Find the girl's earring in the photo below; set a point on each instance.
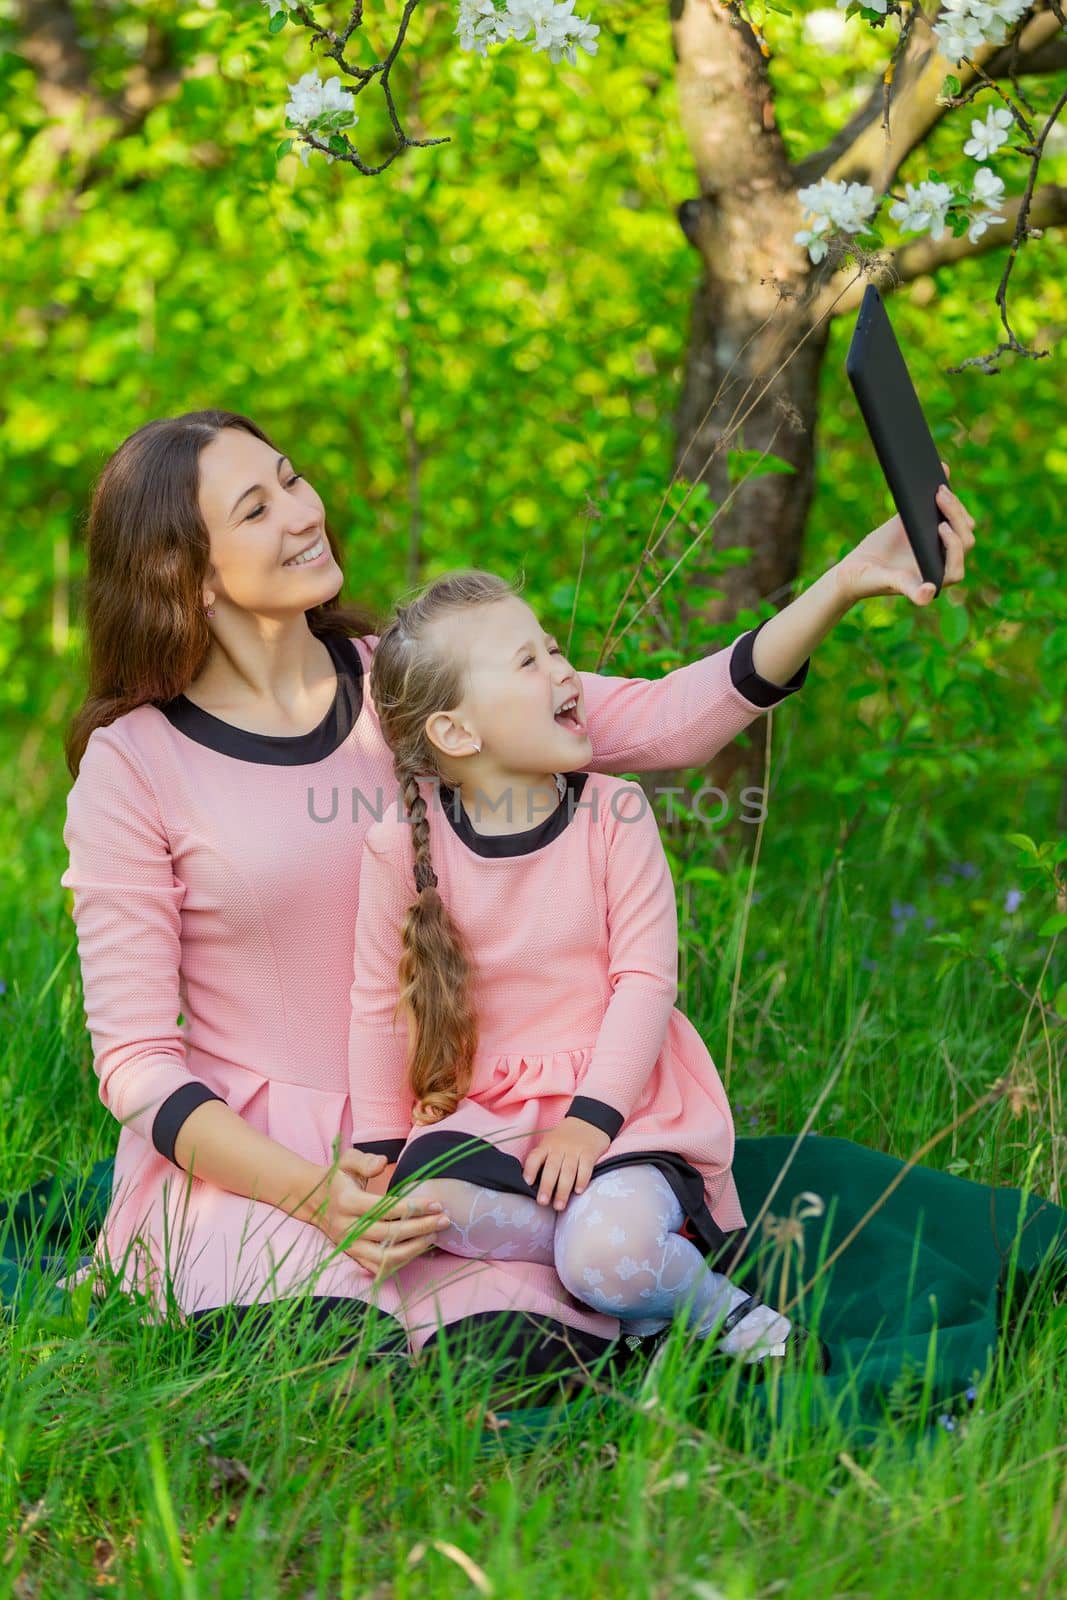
(209, 611)
(477, 747)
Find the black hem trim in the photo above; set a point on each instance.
(281, 749)
(477, 1161)
(389, 1148)
(597, 1112)
(169, 1117)
(342, 1311)
(747, 681)
(512, 844)
(539, 1346)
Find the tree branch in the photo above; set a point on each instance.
(861, 151)
(1048, 209)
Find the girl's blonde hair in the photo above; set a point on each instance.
(409, 681)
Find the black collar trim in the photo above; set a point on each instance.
(281, 749)
(512, 844)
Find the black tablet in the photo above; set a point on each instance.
(906, 451)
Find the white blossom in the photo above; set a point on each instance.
(833, 203)
(988, 136)
(987, 191)
(480, 25)
(312, 99)
(825, 28)
(987, 187)
(816, 245)
(979, 223)
(274, 6)
(871, 5)
(963, 26)
(319, 108)
(924, 207)
(555, 29)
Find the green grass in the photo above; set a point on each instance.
(134, 1465)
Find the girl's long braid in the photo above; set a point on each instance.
(435, 973)
(410, 679)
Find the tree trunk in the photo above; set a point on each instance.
(749, 314)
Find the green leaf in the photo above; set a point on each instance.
(1023, 841)
(284, 148)
(1059, 1000)
(1053, 925)
(951, 85)
(278, 21)
(955, 624)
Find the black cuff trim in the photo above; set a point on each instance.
(389, 1148)
(167, 1123)
(602, 1116)
(747, 681)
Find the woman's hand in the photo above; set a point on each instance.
(404, 1231)
(884, 563)
(565, 1159)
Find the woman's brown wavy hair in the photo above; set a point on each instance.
(410, 679)
(147, 636)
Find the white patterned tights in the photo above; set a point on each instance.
(616, 1246)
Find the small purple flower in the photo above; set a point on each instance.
(945, 879)
(3, 986)
(753, 1119)
(947, 1422)
(761, 955)
(1012, 900)
(966, 869)
(970, 1394)
(757, 896)
(868, 965)
(929, 922)
(901, 912)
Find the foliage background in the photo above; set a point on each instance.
(465, 355)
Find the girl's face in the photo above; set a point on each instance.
(518, 679)
(259, 514)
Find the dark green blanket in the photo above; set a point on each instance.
(936, 1285)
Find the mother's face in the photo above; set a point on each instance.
(259, 514)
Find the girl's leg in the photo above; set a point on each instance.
(490, 1223)
(618, 1248)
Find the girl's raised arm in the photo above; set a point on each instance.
(643, 960)
(377, 1041)
(683, 718)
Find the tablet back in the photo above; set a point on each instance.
(906, 450)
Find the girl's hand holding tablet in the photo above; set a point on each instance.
(884, 562)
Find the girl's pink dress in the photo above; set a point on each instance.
(573, 927)
(214, 877)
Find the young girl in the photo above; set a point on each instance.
(519, 913)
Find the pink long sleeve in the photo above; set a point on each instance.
(683, 718)
(377, 1044)
(642, 963)
(126, 912)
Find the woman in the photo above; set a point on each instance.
(227, 764)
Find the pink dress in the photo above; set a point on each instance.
(214, 877)
(573, 928)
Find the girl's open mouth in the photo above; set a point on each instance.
(567, 716)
